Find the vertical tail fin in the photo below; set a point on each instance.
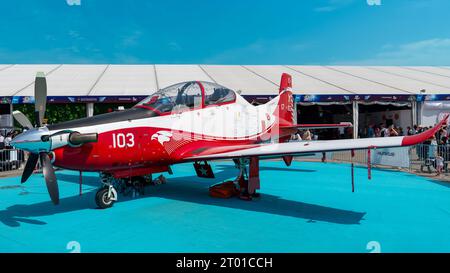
(285, 107)
(285, 112)
(286, 82)
(282, 108)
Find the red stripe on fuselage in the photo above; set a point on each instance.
(140, 147)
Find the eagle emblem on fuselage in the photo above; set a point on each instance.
(162, 136)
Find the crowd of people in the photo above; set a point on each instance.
(435, 151)
(381, 130)
(9, 157)
(304, 135)
(5, 139)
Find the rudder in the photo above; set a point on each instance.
(285, 109)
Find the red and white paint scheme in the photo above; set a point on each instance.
(190, 121)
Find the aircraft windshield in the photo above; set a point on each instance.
(175, 97)
(216, 94)
(188, 95)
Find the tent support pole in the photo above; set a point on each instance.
(355, 119)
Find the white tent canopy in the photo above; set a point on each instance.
(140, 80)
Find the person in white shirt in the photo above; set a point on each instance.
(439, 163)
(7, 140)
(382, 130)
(341, 132)
(307, 135)
(2, 141)
(296, 137)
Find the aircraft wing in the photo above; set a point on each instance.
(298, 148)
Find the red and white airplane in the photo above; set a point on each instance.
(186, 122)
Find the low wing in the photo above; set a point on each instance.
(298, 148)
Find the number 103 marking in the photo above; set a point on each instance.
(122, 140)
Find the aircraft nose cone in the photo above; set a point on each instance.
(31, 140)
(19, 140)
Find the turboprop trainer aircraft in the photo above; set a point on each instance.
(186, 122)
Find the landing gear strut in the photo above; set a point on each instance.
(248, 181)
(245, 184)
(134, 187)
(107, 194)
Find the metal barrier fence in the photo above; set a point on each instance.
(420, 158)
(423, 157)
(11, 159)
(359, 157)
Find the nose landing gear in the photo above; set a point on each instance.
(134, 187)
(105, 197)
(107, 194)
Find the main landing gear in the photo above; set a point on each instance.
(248, 181)
(245, 184)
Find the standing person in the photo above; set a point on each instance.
(444, 133)
(370, 131)
(349, 132)
(383, 130)
(307, 135)
(296, 136)
(432, 146)
(341, 132)
(2, 141)
(439, 163)
(7, 140)
(377, 132)
(417, 130)
(445, 152)
(391, 131)
(439, 136)
(409, 131)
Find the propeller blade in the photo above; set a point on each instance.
(40, 97)
(29, 167)
(50, 178)
(22, 119)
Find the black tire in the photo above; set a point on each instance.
(102, 200)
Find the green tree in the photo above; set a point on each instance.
(55, 113)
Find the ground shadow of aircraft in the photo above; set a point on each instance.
(187, 189)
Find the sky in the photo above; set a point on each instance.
(309, 32)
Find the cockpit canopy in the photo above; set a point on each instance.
(188, 95)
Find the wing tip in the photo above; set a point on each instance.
(419, 138)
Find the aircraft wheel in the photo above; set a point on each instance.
(102, 200)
